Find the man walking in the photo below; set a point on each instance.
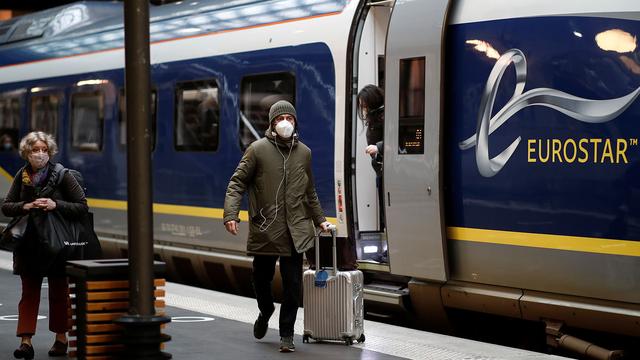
(283, 213)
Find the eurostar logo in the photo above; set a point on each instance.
(585, 110)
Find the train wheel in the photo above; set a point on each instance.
(305, 339)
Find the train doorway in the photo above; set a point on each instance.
(368, 63)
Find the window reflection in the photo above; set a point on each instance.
(9, 123)
(198, 116)
(258, 93)
(45, 113)
(87, 117)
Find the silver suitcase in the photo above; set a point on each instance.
(333, 310)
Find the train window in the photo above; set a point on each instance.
(123, 119)
(87, 117)
(257, 94)
(411, 117)
(197, 116)
(45, 110)
(9, 123)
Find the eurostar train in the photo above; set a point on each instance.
(511, 155)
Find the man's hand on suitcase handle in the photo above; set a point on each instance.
(327, 226)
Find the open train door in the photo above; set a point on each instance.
(412, 158)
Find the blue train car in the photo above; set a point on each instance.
(510, 147)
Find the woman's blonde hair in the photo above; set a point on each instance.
(27, 142)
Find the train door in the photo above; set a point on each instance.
(412, 148)
(369, 70)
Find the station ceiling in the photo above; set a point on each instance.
(19, 7)
(24, 6)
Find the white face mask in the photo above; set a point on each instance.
(38, 160)
(285, 129)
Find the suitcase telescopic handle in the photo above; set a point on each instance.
(332, 228)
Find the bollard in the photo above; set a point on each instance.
(100, 295)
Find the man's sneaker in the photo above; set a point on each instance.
(261, 325)
(286, 344)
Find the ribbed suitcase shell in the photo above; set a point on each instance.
(334, 312)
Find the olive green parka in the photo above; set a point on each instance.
(264, 173)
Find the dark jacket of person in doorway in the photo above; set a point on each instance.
(371, 112)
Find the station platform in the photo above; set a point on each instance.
(213, 325)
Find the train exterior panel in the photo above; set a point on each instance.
(538, 154)
(564, 88)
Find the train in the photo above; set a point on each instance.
(511, 154)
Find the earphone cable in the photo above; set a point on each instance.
(262, 227)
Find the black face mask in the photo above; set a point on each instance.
(371, 114)
(376, 111)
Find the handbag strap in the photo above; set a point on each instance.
(60, 170)
(55, 180)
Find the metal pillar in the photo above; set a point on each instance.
(142, 335)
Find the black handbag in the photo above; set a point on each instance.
(55, 233)
(14, 232)
(88, 246)
(68, 239)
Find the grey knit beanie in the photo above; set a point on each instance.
(279, 108)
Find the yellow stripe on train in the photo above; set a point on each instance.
(546, 241)
(196, 211)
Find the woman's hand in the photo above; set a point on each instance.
(29, 206)
(45, 204)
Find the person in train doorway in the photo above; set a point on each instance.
(371, 111)
(284, 212)
(35, 195)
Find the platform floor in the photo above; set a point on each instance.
(212, 325)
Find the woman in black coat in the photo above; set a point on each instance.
(38, 193)
(371, 112)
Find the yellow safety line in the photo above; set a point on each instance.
(546, 241)
(4, 173)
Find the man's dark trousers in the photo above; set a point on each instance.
(264, 267)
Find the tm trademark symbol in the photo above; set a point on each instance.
(633, 141)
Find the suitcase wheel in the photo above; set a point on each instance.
(361, 339)
(305, 339)
(348, 341)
